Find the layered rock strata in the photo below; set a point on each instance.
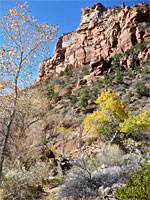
(102, 33)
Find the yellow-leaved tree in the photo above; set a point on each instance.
(140, 122)
(113, 118)
(23, 43)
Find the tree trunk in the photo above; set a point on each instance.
(5, 137)
(2, 150)
(8, 126)
(80, 137)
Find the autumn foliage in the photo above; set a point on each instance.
(114, 116)
(24, 43)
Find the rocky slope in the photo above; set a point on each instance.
(110, 49)
(102, 33)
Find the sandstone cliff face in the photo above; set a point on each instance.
(102, 33)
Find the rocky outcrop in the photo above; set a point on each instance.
(101, 34)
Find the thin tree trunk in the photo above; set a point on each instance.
(8, 127)
(4, 142)
(80, 137)
(2, 150)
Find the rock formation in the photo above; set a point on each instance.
(101, 34)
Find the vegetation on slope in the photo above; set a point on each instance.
(113, 107)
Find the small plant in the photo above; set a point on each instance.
(61, 74)
(141, 90)
(64, 133)
(68, 71)
(135, 63)
(48, 91)
(99, 84)
(127, 97)
(107, 79)
(118, 76)
(138, 186)
(84, 98)
(112, 156)
(44, 140)
(54, 182)
(55, 97)
(73, 99)
(67, 95)
(85, 70)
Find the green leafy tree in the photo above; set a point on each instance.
(24, 41)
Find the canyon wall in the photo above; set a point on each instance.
(102, 33)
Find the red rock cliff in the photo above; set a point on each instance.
(102, 33)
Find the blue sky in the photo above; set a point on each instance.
(65, 13)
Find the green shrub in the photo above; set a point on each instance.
(127, 97)
(67, 95)
(98, 84)
(116, 63)
(85, 96)
(44, 140)
(141, 90)
(68, 71)
(85, 70)
(84, 101)
(135, 49)
(130, 73)
(73, 99)
(107, 79)
(138, 186)
(55, 97)
(49, 91)
(120, 87)
(135, 63)
(54, 182)
(94, 94)
(118, 76)
(61, 74)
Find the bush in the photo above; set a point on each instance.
(138, 186)
(19, 183)
(135, 63)
(73, 99)
(48, 91)
(85, 96)
(55, 97)
(112, 156)
(80, 184)
(116, 62)
(98, 84)
(85, 70)
(118, 76)
(84, 181)
(127, 97)
(141, 90)
(108, 78)
(68, 71)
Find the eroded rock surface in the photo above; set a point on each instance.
(102, 33)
